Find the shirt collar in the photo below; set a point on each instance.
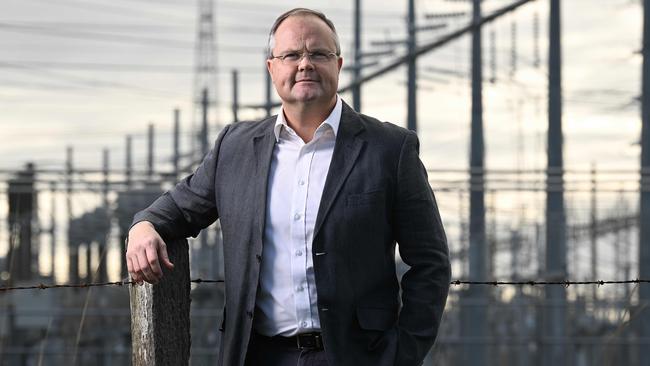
(333, 120)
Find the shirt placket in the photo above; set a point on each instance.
(298, 236)
(320, 137)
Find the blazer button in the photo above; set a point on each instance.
(249, 313)
(259, 258)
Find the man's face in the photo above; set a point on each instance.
(307, 81)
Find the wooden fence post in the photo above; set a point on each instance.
(160, 314)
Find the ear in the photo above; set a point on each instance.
(269, 67)
(339, 62)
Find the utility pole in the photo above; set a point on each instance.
(103, 243)
(128, 170)
(198, 250)
(536, 54)
(105, 174)
(593, 232)
(411, 117)
(513, 48)
(515, 247)
(644, 214)
(235, 95)
(493, 55)
(462, 237)
(128, 163)
(22, 208)
(205, 74)
(554, 348)
(72, 248)
(89, 260)
(53, 230)
(176, 148)
(475, 310)
(150, 152)
(205, 103)
(356, 71)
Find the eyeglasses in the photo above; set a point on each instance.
(293, 58)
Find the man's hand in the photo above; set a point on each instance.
(145, 251)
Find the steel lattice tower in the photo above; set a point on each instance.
(205, 78)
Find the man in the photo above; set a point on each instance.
(311, 203)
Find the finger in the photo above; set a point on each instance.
(152, 260)
(129, 266)
(145, 269)
(134, 270)
(162, 251)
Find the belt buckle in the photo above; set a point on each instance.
(309, 341)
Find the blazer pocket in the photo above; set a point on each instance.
(380, 319)
(364, 199)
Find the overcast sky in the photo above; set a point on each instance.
(88, 72)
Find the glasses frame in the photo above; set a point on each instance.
(309, 54)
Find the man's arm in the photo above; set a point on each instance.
(422, 246)
(181, 212)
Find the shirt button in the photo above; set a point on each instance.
(298, 252)
(299, 288)
(303, 324)
(296, 216)
(302, 182)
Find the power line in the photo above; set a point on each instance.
(221, 26)
(94, 66)
(119, 38)
(424, 49)
(112, 26)
(265, 7)
(118, 10)
(85, 82)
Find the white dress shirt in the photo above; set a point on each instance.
(286, 299)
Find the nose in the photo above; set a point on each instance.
(305, 63)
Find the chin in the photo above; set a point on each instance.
(306, 98)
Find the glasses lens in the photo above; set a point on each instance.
(292, 58)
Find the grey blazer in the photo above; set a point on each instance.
(376, 194)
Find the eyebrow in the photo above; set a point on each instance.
(319, 49)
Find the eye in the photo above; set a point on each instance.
(319, 56)
(291, 56)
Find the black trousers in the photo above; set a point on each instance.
(263, 351)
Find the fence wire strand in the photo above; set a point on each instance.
(42, 286)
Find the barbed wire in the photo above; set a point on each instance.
(567, 283)
(547, 283)
(42, 286)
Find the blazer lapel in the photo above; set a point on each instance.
(263, 144)
(346, 151)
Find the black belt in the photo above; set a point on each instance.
(304, 341)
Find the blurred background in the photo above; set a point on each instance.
(530, 128)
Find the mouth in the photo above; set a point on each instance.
(306, 81)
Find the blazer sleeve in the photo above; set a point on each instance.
(422, 246)
(191, 205)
